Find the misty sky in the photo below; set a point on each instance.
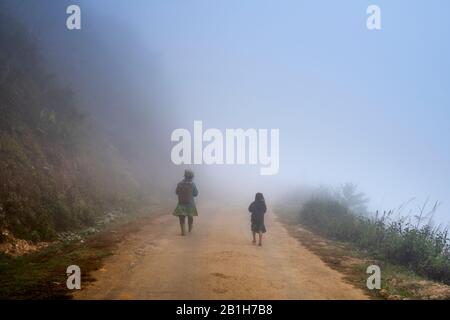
(370, 107)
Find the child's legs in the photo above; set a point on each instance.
(260, 237)
(190, 222)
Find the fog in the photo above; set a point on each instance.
(370, 108)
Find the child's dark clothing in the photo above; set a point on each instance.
(258, 209)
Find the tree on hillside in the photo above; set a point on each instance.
(349, 196)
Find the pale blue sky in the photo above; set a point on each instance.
(351, 104)
(371, 107)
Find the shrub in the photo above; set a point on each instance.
(422, 248)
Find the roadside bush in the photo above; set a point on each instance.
(420, 247)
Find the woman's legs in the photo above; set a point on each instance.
(183, 224)
(254, 236)
(260, 238)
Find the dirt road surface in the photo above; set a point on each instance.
(216, 261)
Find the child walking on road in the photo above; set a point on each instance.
(258, 209)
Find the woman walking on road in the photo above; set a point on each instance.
(186, 191)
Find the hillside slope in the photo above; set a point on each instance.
(56, 171)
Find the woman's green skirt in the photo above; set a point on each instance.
(183, 210)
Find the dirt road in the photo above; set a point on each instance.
(216, 261)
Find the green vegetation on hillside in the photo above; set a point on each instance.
(56, 173)
(407, 242)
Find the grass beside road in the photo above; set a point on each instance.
(397, 282)
(416, 245)
(42, 274)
